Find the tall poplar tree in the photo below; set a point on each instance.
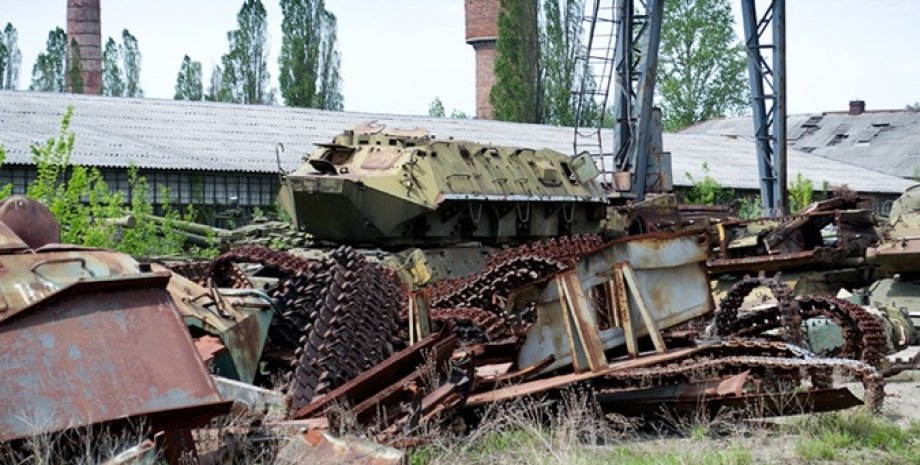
(561, 46)
(245, 77)
(535, 61)
(113, 81)
(48, 73)
(309, 61)
(702, 65)
(11, 58)
(217, 91)
(188, 81)
(131, 59)
(75, 83)
(518, 91)
(121, 67)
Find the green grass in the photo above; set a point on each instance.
(539, 447)
(856, 436)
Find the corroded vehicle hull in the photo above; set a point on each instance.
(397, 189)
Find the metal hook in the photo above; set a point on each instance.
(279, 149)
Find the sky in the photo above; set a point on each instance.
(397, 56)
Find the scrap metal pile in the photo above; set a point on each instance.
(402, 343)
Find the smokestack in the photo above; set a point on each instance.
(85, 27)
(857, 107)
(482, 33)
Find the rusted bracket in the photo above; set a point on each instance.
(620, 301)
(580, 324)
(650, 324)
(419, 317)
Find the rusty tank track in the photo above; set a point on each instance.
(200, 271)
(863, 333)
(505, 272)
(354, 326)
(280, 263)
(339, 316)
(510, 267)
(565, 249)
(788, 308)
(764, 359)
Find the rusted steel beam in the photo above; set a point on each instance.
(647, 318)
(557, 382)
(98, 352)
(580, 324)
(624, 315)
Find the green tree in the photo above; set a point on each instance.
(217, 91)
(701, 73)
(113, 81)
(459, 114)
(912, 106)
(131, 59)
(48, 73)
(562, 43)
(188, 81)
(121, 67)
(535, 61)
(801, 192)
(245, 77)
(80, 200)
(436, 108)
(707, 191)
(518, 90)
(74, 69)
(10, 58)
(309, 61)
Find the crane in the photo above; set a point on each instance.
(623, 38)
(622, 53)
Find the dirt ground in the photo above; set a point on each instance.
(902, 399)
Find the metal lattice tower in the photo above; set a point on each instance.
(768, 98)
(623, 40)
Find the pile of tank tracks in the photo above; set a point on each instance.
(343, 315)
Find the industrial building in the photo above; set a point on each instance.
(221, 156)
(881, 140)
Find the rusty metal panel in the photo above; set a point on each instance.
(670, 272)
(26, 279)
(100, 351)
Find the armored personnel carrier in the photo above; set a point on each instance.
(395, 189)
(433, 208)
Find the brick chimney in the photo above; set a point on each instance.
(482, 33)
(85, 27)
(857, 107)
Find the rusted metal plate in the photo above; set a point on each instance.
(651, 401)
(238, 317)
(26, 279)
(899, 255)
(30, 221)
(670, 277)
(101, 351)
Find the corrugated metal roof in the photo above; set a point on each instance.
(886, 140)
(169, 134)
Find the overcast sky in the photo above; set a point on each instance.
(399, 55)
